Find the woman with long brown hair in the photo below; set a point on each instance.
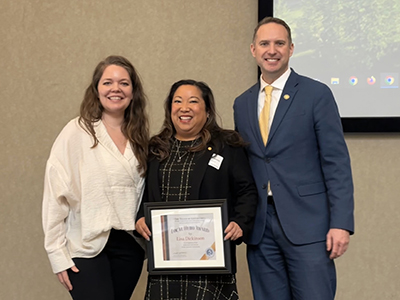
(94, 184)
(193, 158)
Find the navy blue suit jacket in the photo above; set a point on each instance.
(306, 161)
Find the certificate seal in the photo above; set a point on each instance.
(210, 252)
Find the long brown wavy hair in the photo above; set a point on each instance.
(135, 126)
(210, 134)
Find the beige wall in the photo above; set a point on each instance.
(48, 51)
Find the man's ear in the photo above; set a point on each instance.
(252, 49)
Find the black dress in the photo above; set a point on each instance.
(174, 174)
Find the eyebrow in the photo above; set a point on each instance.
(177, 96)
(109, 78)
(268, 41)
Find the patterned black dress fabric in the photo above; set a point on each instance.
(174, 177)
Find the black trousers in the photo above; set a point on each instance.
(111, 275)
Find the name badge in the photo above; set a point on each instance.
(216, 161)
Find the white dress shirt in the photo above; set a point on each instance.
(278, 86)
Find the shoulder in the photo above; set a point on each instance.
(226, 137)
(314, 83)
(71, 137)
(252, 90)
(232, 151)
(304, 81)
(71, 129)
(308, 90)
(228, 148)
(66, 132)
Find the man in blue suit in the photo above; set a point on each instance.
(302, 171)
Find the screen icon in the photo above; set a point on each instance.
(389, 80)
(334, 80)
(353, 80)
(371, 80)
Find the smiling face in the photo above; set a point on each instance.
(115, 90)
(188, 112)
(271, 48)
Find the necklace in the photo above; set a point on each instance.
(178, 150)
(181, 156)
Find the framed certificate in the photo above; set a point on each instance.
(188, 237)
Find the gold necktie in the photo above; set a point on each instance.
(264, 116)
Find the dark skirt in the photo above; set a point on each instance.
(191, 287)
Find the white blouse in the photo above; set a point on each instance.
(87, 191)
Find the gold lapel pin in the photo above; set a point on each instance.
(209, 148)
(286, 97)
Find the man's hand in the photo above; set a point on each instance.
(337, 242)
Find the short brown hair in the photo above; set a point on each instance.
(267, 20)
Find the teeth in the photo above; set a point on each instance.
(272, 59)
(115, 98)
(185, 118)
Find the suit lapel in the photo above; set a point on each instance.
(199, 171)
(252, 106)
(285, 101)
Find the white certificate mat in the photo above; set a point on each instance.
(188, 238)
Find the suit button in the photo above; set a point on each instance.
(267, 160)
(264, 186)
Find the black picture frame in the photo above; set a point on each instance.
(160, 239)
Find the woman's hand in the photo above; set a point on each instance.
(142, 228)
(64, 279)
(233, 231)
